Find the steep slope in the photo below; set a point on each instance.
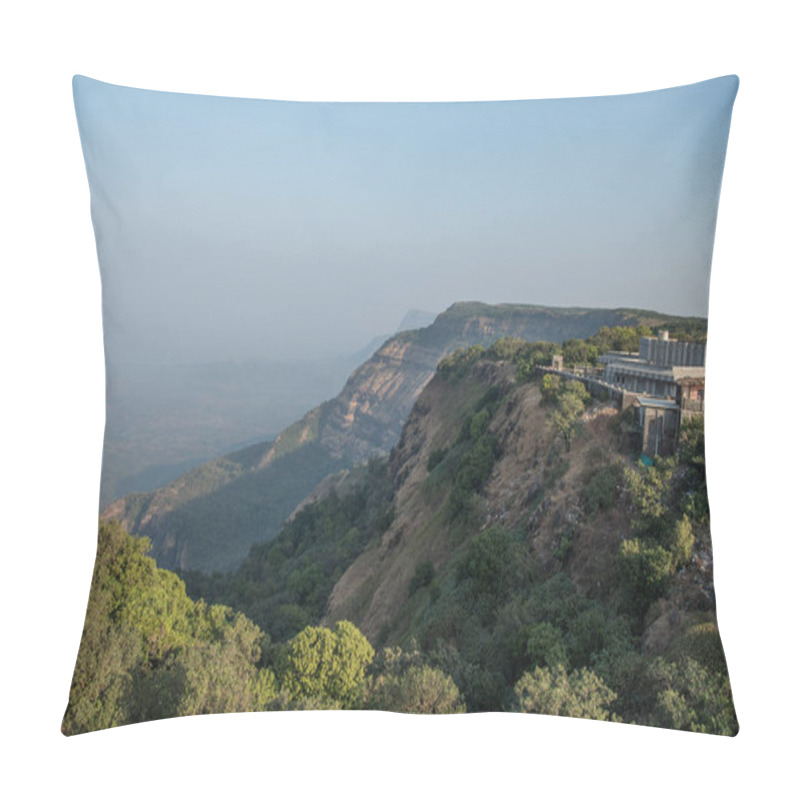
(209, 518)
(163, 420)
(569, 505)
(512, 556)
(516, 554)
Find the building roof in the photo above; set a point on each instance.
(657, 402)
(631, 365)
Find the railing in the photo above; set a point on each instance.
(590, 381)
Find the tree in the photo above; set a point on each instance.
(550, 387)
(551, 690)
(531, 355)
(545, 645)
(623, 338)
(110, 647)
(329, 665)
(579, 351)
(645, 570)
(572, 397)
(406, 684)
(148, 651)
(681, 541)
(649, 489)
(221, 676)
(691, 452)
(495, 563)
(690, 697)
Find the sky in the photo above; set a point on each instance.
(238, 229)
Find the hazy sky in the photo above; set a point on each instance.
(252, 228)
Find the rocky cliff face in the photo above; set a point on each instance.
(367, 416)
(209, 518)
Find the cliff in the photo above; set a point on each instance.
(208, 518)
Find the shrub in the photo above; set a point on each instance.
(495, 563)
(601, 489)
(701, 641)
(681, 541)
(436, 458)
(550, 387)
(649, 489)
(423, 575)
(645, 570)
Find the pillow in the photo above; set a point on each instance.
(405, 407)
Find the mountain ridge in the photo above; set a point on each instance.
(208, 518)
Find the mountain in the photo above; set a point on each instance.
(416, 318)
(539, 566)
(162, 420)
(208, 518)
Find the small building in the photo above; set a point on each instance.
(659, 421)
(666, 383)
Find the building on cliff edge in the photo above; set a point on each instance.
(667, 379)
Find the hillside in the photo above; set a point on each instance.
(513, 557)
(209, 518)
(150, 652)
(162, 420)
(529, 485)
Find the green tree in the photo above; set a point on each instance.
(550, 387)
(545, 646)
(329, 665)
(571, 401)
(578, 352)
(531, 355)
(148, 651)
(551, 690)
(221, 675)
(495, 564)
(110, 647)
(690, 697)
(691, 453)
(649, 489)
(681, 541)
(645, 570)
(404, 683)
(601, 489)
(424, 573)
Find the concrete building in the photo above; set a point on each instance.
(667, 378)
(664, 382)
(659, 421)
(658, 367)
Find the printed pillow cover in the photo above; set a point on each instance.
(405, 407)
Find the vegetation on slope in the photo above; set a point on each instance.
(225, 495)
(208, 518)
(507, 612)
(283, 585)
(149, 652)
(510, 628)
